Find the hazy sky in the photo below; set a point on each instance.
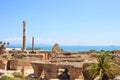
(66, 22)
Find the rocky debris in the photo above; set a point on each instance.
(56, 48)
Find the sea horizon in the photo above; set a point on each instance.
(67, 48)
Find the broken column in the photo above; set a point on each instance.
(24, 35)
(32, 44)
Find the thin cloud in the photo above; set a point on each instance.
(13, 40)
(19, 40)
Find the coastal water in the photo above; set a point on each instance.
(72, 48)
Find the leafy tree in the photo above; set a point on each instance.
(62, 50)
(104, 67)
(92, 50)
(102, 50)
(8, 43)
(0, 42)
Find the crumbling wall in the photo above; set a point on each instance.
(51, 70)
(18, 64)
(13, 64)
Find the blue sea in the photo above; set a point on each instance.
(73, 48)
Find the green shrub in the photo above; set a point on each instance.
(18, 75)
(6, 78)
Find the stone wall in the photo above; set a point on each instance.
(2, 64)
(18, 64)
(40, 56)
(25, 63)
(18, 51)
(51, 70)
(14, 64)
(117, 52)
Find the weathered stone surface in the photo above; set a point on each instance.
(56, 48)
(51, 70)
(51, 54)
(24, 35)
(2, 65)
(13, 64)
(18, 64)
(117, 52)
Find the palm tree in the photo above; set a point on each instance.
(103, 67)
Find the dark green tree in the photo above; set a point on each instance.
(1, 42)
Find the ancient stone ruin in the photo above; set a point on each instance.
(51, 71)
(54, 64)
(56, 48)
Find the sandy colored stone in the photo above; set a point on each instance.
(56, 48)
(51, 70)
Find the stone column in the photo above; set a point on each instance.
(24, 35)
(32, 44)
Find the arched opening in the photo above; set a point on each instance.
(8, 65)
(63, 74)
